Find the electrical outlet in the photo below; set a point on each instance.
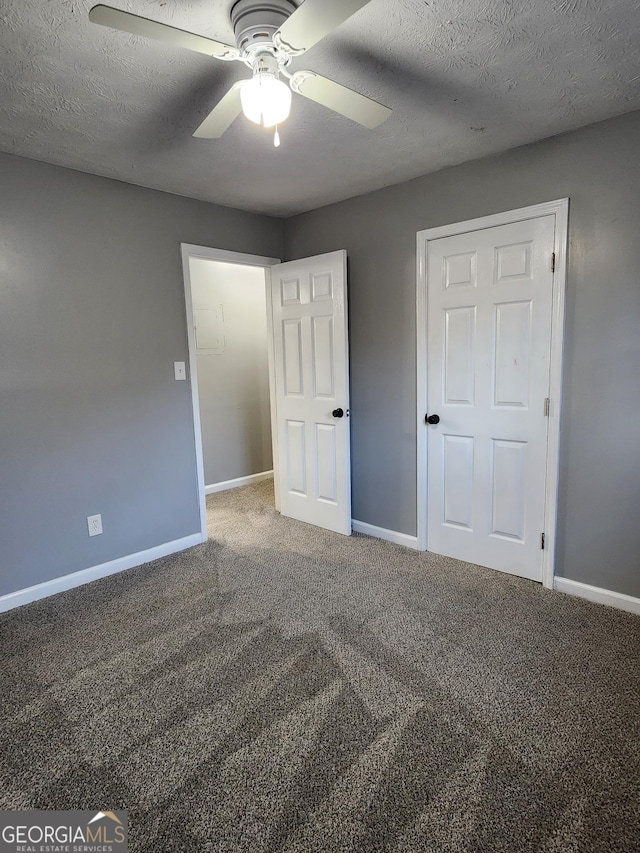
(94, 523)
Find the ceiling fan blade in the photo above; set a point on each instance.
(222, 115)
(128, 23)
(339, 98)
(312, 21)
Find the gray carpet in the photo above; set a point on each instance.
(282, 688)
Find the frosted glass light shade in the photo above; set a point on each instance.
(265, 100)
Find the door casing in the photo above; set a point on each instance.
(205, 253)
(560, 209)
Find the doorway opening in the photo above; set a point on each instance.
(231, 368)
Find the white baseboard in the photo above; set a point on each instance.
(239, 481)
(44, 590)
(383, 533)
(595, 593)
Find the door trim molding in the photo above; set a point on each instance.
(560, 209)
(207, 253)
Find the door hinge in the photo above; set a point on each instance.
(542, 541)
(547, 406)
(553, 261)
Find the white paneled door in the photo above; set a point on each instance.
(489, 310)
(311, 371)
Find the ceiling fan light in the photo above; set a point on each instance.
(265, 100)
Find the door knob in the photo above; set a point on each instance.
(432, 419)
(337, 413)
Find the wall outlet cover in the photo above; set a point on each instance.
(94, 523)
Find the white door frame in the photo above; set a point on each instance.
(208, 254)
(560, 209)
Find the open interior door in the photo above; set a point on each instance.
(311, 373)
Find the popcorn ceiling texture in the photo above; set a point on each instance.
(464, 80)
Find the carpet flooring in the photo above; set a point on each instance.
(281, 688)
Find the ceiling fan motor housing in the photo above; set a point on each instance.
(255, 22)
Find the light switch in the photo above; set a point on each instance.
(179, 369)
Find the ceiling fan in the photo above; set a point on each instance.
(269, 34)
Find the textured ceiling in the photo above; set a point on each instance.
(464, 79)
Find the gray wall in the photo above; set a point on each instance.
(92, 317)
(233, 375)
(599, 169)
